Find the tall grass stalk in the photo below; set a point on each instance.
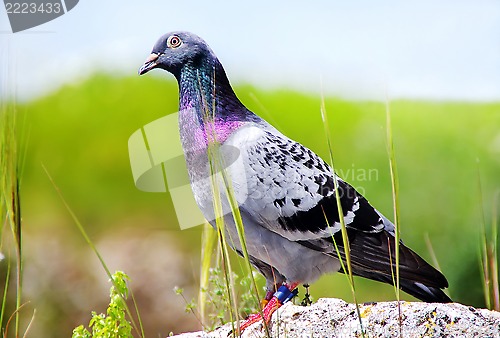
(138, 328)
(493, 255)
(220, 177)
(489, 253)
(395, 205)
(5, 294)
(345, 238)
(10, 205)
(235, 211)
(430, 248)
(214, 166)
(223, 245)
(208, 241)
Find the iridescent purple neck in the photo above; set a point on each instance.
(200, 132)
(206, 89)
(210, 110)
(220, 129)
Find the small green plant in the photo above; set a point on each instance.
(191, 305)
(216, 300)
(114, 323)
(247, 296)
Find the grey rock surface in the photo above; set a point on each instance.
(335, 318)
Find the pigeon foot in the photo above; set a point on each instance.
(280, 297)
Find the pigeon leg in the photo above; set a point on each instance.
(269, 294)
(285, 293)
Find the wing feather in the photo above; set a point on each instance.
(290, 189)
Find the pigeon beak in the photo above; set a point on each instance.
(149, 64)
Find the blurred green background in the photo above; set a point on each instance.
(79, 134)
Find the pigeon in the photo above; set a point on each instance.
(286, 194)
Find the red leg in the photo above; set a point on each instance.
(284, 294)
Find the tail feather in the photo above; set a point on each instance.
(418, 290)
(426, 293)
(373, 256)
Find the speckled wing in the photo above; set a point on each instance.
(290, 189)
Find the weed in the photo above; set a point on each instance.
(217, 301)
(114, 323)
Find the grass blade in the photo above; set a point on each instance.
(10, 207)
(209, 239)
(138, 329)
(345, 238)
(220, 178)
(395, 195)
(5, 293)
(489, 252)
(494, 254)
(395, 201)
(430, 247)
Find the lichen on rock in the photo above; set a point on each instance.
(330, 317)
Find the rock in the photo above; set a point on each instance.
(336, 318)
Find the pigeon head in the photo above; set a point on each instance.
(176, 50)
(203, 83)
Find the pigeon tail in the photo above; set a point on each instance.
(425, 293)
(429, 294)
(373, 256)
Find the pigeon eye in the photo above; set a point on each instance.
(174, 41)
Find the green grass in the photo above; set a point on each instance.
(80, 134)
(10, 217)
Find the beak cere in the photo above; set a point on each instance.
(149, 64)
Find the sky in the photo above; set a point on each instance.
(426, 49)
